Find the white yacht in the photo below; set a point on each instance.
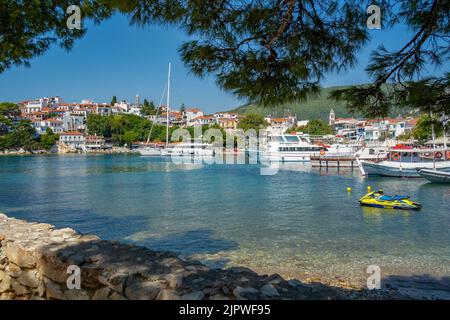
(151, 150)
(188, 149)
(290, 147)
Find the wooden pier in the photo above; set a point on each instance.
(333, 162)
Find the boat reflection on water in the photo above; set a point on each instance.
(376, 216)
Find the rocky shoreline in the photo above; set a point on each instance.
(35, 259)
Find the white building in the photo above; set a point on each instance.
(103, 109)
(73, 139)
(280, 125)
(74, 122)
(123, 106)
(302, 123)
(41, 126)
(191, 114)
(135, 109)
(203, 120)
(371, 133)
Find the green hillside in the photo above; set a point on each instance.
(316, 107)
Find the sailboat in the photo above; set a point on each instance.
(157, 150)
(180, 149)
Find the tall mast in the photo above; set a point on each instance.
(168, 108)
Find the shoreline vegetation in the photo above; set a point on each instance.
(34, 258)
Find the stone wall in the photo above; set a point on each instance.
(35, 257)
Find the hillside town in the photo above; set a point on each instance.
(69, 122)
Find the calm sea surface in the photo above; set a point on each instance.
(300, 222)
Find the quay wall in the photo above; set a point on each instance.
(38, 261)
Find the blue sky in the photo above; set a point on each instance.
(115, 58)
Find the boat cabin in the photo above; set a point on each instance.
(418, 155)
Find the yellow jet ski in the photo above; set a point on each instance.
(379, 200)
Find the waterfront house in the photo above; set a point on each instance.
(96, 143)
(73, 139)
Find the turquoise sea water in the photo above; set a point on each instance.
(300, 222)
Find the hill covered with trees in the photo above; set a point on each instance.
(315, 107)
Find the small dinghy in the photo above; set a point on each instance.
(435, 175)
(379, 200)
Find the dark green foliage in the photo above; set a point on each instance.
(314, 127)
(148, 108)
(22, 136)
(125, 128)
(430, 22)
(423, 130)
(48, 139)
(29, 28)
(252, 121)
(17, 134)
(113, 101)
(8, 112)
(268, 52)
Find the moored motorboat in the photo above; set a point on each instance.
(379, 200)
(434, 175)
(407, 162)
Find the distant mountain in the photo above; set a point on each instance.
(316, 107)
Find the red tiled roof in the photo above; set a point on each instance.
(72, 133)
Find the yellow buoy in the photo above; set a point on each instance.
(349, 189)
(369, 188)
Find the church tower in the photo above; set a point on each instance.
(332, 118)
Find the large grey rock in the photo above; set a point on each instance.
(51, 266)
(167, 294)
(29, 278)
(7, 296)
(19, 289)
(21, 257)
(53, 290)
(174, 280)
(3, 275)
(102, 294)
(198, 295)
(270, 291)
(245, 293)
(219, 297)
(117, 282)
(117, 296)
(13, 271)
(5, 284)
(142, 290)
(76, 294)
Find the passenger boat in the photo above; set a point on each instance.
(291, 147)
(379, 200)
(435, 175)
(405, 162)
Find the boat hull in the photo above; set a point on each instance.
(187, 152)
(287, 157)
(402, 170)
(435, 176)
(150, 152)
